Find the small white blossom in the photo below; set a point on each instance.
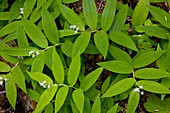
(33, 53)
(142, 92)
(37, 53)
(48, 86)
(156, 110)
(136, 90)
(1, 83)
(77, 28)
(44, 86)
(6, 79)
(75, 31)
(141, 87)
(21, 11)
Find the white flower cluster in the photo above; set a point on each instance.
(76, 29)
(139, 90)
(33, 53)
(1, 80)
(21, 11)
(44, 84)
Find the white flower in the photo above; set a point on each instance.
(136, 90)
(6, 79)
(142, 92)
(1, 83)
(21, 11)
(37, 53)
(77, 28)
(33, 53)
(48, 86)
(141, 87)
(75, 31)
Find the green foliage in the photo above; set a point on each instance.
(85, 62)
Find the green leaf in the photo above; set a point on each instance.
(10, 59)
(17, 51)
(140, 13)
(117, 66)
(119, 54)
(60, 97)
(40, 77)
(49, 27)
(34, 95)
(67, 32)
(71, 17)
(122, 39)
(133, 102)
(21, 37)
(154, 104)
(96, 107)
(146, 57)
(108, 14)
(69, 1)
(57, 67)
(167, 59)
(15, 9)
(90, 79)
(38, 63)
(87, 105)
(154, 31)
(119, 20)
(4, 67)
(119, 87)
(9, 28)
(151, 73)
(19, 78)
(37, 37)
(78, 98)
(74, 70)
(67, 48)
(91, 49)
(49, 108)
(160, 15)
(28, 7)
(81, 44)
(105, 84)
(153, 87)
(113, 109)
(74, 108)
(11, 91)
(45, 98)
(102, 43)
(90, 13)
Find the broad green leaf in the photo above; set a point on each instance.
(35, 15)
(38, 63)
(45, 98)
(113, 109)
(21, 37)
(151, 73)
(48, 57)
(91, 49)
(40, 3)
(102, 42)
(140, 13)
(105, 84)
(154, 31)
(108, 14)
(18, 51)
(145, 57)
(90, 13)
(160, 15)
(11, 91)
(119, 87)
(49, 27)
(9, 28)
(40, 77)
(4, 67)
(117, 66)
(34, 95)
(15, 9)
(90, 79)
(87, 105)
(81, 44)
(69, 1)
(49, 108)
(158, 0)
(37, 37)
(167, 56)
(78, 98)
(19, 78)
(119, 20)
(122, 39)
(133, 102)
(10, 37)
(74, 108)
(3, 46)
(28, 7)
(60, 97)
(153, 87)
(57, 67)
(67, 32)
(74, 70)
(96, 107)
(10, 59)
(67, 48)
(119, 54)
(71, 17)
